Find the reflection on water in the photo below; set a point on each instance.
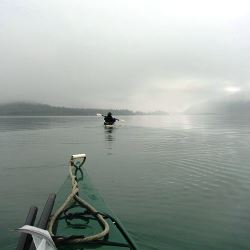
(19, 123)
(109, 135)
(191, 122)
(16, 123)
(109, 138)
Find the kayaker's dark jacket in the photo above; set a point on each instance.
(109, 119)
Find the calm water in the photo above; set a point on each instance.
(176, 182)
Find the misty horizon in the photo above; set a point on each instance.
(140, 55)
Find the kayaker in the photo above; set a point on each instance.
(109, 119)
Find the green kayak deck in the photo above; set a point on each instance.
(76, 221)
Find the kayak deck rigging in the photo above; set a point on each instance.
(77, 224)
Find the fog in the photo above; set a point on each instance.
(138, 55)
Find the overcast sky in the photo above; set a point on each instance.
(133, 54)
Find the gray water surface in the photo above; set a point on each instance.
(176, 182)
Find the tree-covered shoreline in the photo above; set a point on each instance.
(37, 109)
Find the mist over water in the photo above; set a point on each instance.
(139, 55)
(176, 182)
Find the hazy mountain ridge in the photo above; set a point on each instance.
(222, 106)
(37, 109)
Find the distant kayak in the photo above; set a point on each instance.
(109, 121)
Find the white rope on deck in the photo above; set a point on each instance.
(70, 199)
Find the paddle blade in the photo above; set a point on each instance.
(98, 114)
(41, 238)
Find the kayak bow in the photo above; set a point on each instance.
(81, 219)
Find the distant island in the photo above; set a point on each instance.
(37, 109)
